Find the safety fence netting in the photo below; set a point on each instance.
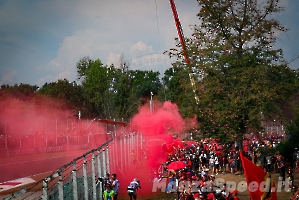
(80, 178)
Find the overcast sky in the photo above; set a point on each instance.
(42, 40)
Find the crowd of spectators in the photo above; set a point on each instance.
(207, 158)
(110, 186)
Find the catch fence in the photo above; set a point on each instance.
(79, 179)
(57, 135)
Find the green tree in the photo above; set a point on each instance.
(145, 82)
(177, 88)
(20, 91)
(112, 92)
(287, 147)
(82, 66)
(95, 80)
(242, 78)
(69, 92)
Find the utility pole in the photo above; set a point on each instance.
(151, 103)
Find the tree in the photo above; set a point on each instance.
(82, 66)
(112, 92)
(69, 92)
(242, 78)
(145, 82)
(177, 88)
(123, 63)
(288, 146)
(22, 91)
(96, 80)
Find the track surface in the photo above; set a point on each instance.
(37, 166)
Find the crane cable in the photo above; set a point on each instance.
(157, 23)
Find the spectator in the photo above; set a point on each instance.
(273, 161)
(105, 181)
(225, 164)
(263, 160)
(216, 163)
(295, 195)
(254, 158)
(196, 162)
(232, 164)
(282, 171)
(132, 188)
(233, 195)
(212, 163)
(220, 158)
(237, 163)
(268, 160)
(224, 192)
(115, 185)
(108, 193)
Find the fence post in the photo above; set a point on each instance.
(125, 152)
(100, 159)
(114, 129)
(115, 153)
(104, 161)
(75, 186)
(141, 139)
(121, 153)
(60, 186)
(137, 146)
(45, 189)
(107, 159)
(93, 177)
(85, 178)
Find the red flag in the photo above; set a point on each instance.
(259, 183)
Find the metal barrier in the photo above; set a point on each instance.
(79, 179)
(59, 135)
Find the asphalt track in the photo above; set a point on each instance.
(36, 167)
(39, 166)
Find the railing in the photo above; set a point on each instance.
(59, 136)
(32, 144)
(79, 179)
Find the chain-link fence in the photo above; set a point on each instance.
(79, 179)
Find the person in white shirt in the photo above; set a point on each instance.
(132, 188)
(212, 163)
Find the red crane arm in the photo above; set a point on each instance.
(179, 29)
(182, 41)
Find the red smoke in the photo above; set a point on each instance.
(47, 116)
(26, 123)
(157, 129)
(40, 115)
(163, 120)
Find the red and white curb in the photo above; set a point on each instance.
(15, 183)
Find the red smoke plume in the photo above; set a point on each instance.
(157, 129)
(163, 120)
(26, 123)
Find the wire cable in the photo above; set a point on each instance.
(157, 23)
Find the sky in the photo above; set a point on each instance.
(42, 40)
